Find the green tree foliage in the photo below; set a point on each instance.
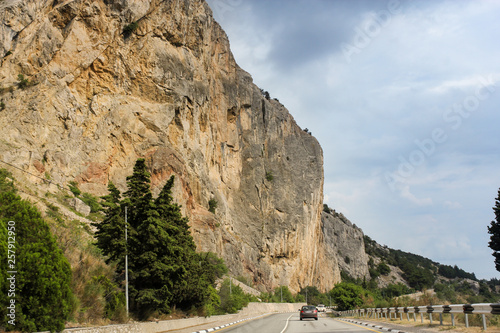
(110, 232)
(91, 201)
(395, 290)
(233, 298)
(115, 298)
(6, 182)
(455, 272)
(44, 300)
(164, 268)
(383, 269)
(347, 296)
(283, 294)
(312, 295)
(494, 231)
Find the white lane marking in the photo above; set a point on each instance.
(286, 323)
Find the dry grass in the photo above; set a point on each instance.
(87, 263)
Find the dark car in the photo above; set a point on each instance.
(309, 311)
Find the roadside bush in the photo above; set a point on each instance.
(43, 295)
(233, 298)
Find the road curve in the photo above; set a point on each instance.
(290, 323)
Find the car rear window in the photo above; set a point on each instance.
(309, 307)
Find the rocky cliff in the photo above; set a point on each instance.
(104, 82)
(345, 241)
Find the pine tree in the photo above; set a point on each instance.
(494, 231)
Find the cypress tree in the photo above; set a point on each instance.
(110, 232)
(181, 251)
(164, 268)
(138, 197)
(494, 231)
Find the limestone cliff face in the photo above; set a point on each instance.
(345, 242)
(169, 91)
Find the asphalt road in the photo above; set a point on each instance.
(290, 323)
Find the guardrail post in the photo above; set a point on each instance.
(455, 308)
(446, 309)
(467, 309)
(429, 311)
(484, 322)
(441, 319)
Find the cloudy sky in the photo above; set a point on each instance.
(404, 98)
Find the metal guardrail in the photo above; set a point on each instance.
(466, 309)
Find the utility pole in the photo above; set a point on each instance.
(126, 262)
(230, 285)
(281, 289)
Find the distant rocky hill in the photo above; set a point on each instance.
(89, 86)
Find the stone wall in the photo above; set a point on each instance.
(252, 310)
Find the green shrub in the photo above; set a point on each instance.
(233, 298)
(212, 205)
(383, 269)
(91, 201)
(347, 296)
(73, 187)
(115, 308)
(269, 176)
(23, 83)
(130, 28)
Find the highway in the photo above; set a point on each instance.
(290, 323)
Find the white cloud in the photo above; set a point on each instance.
(406, 193)
(452, 205)
(370, 111)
